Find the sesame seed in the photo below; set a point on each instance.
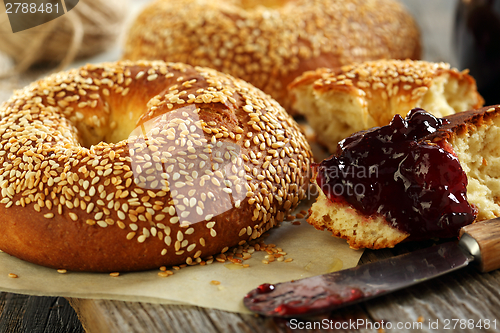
(152, 77)
(102, 224)
(139, 75)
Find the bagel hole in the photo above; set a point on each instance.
(114, 129)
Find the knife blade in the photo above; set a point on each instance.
(479, 242)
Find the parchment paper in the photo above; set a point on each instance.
(313, 252)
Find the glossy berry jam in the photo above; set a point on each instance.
(265, 288)
(419, 187)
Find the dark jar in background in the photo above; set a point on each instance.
(477, 44)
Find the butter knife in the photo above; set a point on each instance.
(478, 243)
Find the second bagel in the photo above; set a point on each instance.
(269, 43)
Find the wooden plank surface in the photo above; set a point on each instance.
(464, 295)
(22, 313)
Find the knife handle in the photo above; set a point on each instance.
(487, 236)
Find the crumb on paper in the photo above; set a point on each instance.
(215, 282)
(165, 273)
(62, 271)
(12, 275)
(236, 256)
(269, 258)
(114, 274)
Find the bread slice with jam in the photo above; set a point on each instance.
(417, 178)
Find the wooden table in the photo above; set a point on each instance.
(466, 294)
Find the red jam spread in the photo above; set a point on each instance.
(418, 186)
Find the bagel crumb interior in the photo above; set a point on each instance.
(478, 151)
(338, 115)
(336, 107)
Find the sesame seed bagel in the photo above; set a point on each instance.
(135, 165)
(269, 43)
(340, 101)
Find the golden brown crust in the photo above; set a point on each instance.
(462, 122)
(270, 46)
(193, 162)
(340, 101)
